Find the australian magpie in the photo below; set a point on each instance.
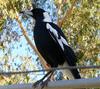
(52, 45)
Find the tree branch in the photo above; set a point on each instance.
(67, 14)
(31, 44)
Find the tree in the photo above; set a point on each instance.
(81, 27)
(15, 42)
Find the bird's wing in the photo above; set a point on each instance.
(58, 36)
(60, 39)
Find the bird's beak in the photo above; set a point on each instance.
(29, 13)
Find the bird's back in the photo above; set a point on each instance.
(50, 49)
(46, 45)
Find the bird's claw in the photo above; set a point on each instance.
(45, 83)
(37, 83)
(40, 83)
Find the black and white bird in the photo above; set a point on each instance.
(52, 45)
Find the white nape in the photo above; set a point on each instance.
(46, 17)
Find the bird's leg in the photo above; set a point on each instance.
(40, 82)
(45, 83)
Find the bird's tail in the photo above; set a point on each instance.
(70, 74)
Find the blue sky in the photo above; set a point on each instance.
(18, 49)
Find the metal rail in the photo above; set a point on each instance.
(62, 84)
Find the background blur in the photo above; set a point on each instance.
(81, 26)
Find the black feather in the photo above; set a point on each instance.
(48, 44)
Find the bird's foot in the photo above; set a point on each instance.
(41, 83)
(37, 83)
(45, 83)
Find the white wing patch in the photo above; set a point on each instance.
(61, 44)
(52, 30)
(64, 41)
(61, 41)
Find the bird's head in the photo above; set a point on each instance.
(38, 14)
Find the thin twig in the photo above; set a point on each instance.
(61, 68)
(27, 38)
(67, 14)
(30, 43)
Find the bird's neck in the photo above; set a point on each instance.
(46, 17)
(44, 20)
(47, 20)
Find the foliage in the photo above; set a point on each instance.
(9, 8)
(82, 29)
(15, 53)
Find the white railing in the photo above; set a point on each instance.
(62, 84)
